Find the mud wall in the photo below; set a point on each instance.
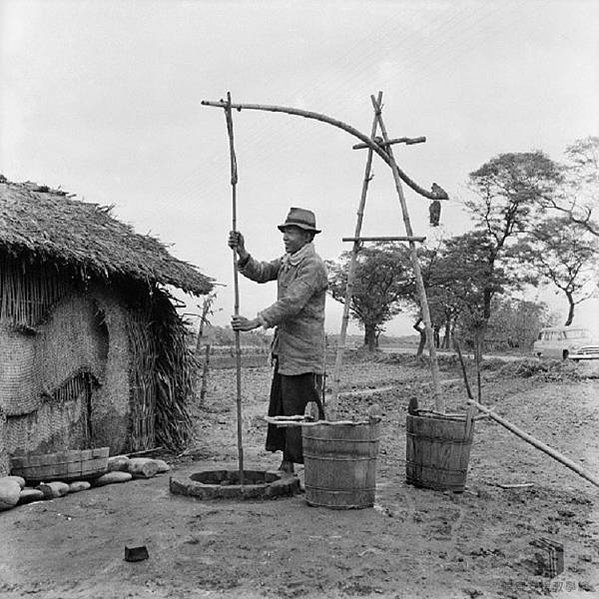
(65, 383)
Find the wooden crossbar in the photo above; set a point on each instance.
(403, 238)
(409, 141)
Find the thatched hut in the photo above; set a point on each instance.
(92, 351)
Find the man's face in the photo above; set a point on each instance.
(294, 239)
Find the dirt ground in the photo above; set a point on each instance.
(413, 543)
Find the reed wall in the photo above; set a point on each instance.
(89, 364)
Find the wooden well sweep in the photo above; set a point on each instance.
(340, 457)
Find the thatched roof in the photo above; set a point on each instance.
(49, 225)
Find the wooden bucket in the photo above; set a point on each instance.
(68, 465)
(340, 464)
(437, 451)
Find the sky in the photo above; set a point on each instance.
(103, 99)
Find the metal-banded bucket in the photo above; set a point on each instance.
(340, 464)
(438, 450)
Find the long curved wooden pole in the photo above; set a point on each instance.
(556, 455)
(437, 194)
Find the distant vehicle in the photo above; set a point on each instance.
(573, 343)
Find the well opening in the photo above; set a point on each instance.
(224, 484)
(231, 477)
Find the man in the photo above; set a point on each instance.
(298, 315)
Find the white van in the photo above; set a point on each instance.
(575, 343)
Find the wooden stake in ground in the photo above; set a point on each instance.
(351, 274)
(426, 317)
(205, 371)
(536, 443)
(208, 300)
(229, 120)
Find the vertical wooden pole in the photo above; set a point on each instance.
(464, 373)
(205, 371)
(206, 305)
(426, 317)
(478, 337)
(229, 119)
(351, 274)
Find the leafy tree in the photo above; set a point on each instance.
(516, 323)
(578, 199)
(563, 254)
(509, 192)
(456, 275)
(383, 280)
(509, 189)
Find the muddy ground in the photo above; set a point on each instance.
(413, 543)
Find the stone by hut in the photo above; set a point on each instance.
(92, 351)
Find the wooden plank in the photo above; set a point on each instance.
(515, 485)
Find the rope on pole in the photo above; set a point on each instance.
(234, 179)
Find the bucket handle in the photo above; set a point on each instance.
(289, 421)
